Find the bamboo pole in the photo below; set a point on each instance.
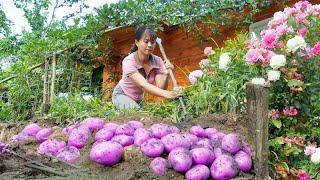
(53, 79)
(45, 104)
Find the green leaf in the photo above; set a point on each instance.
(276, 123)
(295, 83)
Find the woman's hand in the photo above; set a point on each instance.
(175, 93)
(168, 65)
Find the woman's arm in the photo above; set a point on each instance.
(161, 81)
(150, 88)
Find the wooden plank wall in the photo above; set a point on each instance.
(182, 48)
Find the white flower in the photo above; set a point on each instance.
(279, 16)
(259, 81)
(315, 157)
(87, 97)
(277, 61)
(63, 95)
(204, 63)
(224, 60)
(295, 43)
(273, 75)
(195, 75)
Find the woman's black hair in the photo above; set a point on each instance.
(140, 31)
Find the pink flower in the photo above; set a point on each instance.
(283, 29)
(290, 11)
(316, 49)
(274, 113)
(301, 18)
(297, 76)
(303, 31)
(302, 5)
(267, 56)
(252, 43)
(269, 39)
(290, 111)
(208, 50)
(309, 150)
(309, 52)
(253, 56)
(303, 175)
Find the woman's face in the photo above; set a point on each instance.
(146, 44)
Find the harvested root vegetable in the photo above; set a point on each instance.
(174, 129)
(104, 134)
(20, 137)
(198, 131)
(243, 160)
(136, 124)
(231, 143)
(79, 137)
(210, 131)
(93, 123)
(205, 143)
(198, 172)
(31, 129)
(106, 153)
(160, 130)
(202, 156)
(123, 139)
(43, 134)
(159, 166)
(51, 147)
(224, 167)
(192, 139)
(174, 140)
(152, 148)
(125, 129)
(69, 154)
(111, 126)
(3, 148)
(141, 135)
(180, 160)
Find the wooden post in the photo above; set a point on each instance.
(45, 103)
(257, 110)
(53, 79)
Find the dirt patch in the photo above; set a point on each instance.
(134, 166)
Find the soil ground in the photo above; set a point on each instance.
(133, 166)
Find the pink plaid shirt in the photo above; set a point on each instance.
(131, 65)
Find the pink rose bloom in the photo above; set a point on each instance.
(290, 11)
(309, 53)
(303, 175)
(302, 5)
(290, 111)
(301, 18)
(208, 50)
(252, 43)
(303, 31)
(275, 114)
(309, 150)
(269, 39)
(253, 56)
(283, 29)
(293, 111)
(316, 49)
(267, 56)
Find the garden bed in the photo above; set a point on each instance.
(134, 166)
